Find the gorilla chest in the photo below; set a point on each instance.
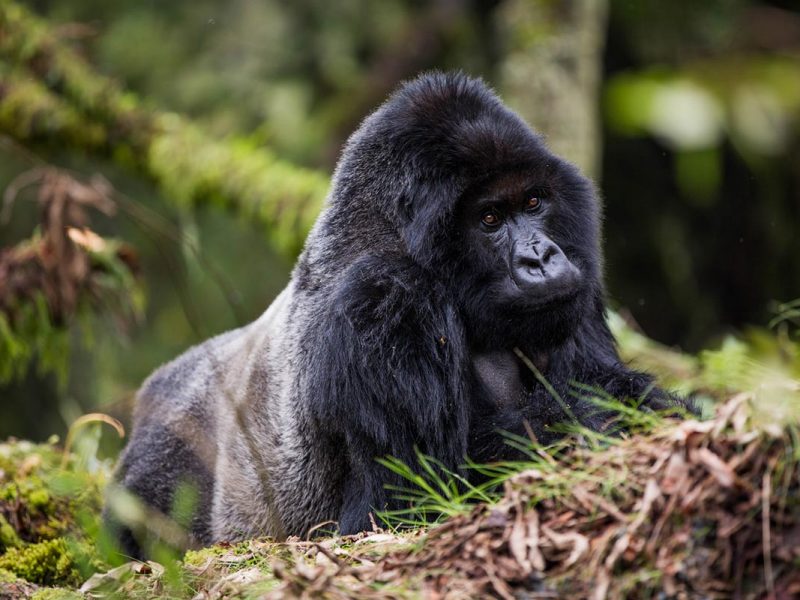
(502, 380)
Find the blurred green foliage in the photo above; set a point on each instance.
(701, 172)
(701, 169)
(50, 97)
(32, 336)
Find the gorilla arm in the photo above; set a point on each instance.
(386, 376)
(587, 361)
(597, 359)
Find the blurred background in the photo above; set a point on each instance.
(187, 145)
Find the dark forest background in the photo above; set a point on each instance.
(688, 115)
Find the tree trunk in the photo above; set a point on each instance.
(552, 71)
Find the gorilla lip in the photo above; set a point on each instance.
(552, 302)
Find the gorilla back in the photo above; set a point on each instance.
(452, 248)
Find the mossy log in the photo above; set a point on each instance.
(50, 97)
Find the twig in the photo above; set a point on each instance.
(766, 543)
(83, 420)
(20, 182)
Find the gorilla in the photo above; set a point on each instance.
(450, 290)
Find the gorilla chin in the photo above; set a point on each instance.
(530, 322)
(555, 321)
(554, 314)
(395, 334)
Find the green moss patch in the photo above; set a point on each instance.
(47, 563)
(49, 514)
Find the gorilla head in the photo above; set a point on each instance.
(452, 244)
(475, 197)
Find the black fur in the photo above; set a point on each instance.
(394, 333)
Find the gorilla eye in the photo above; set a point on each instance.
(490, 218)
(534, 202)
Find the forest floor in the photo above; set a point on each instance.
(682, 509)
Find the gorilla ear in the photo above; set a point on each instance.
(425, 212)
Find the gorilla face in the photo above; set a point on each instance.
(506, 226)
(523, 282)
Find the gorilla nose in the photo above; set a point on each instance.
(544, 269)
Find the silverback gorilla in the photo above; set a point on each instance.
(455, 258)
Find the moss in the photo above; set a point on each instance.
(57, 516)
(47, 563)
(259, 555)
(39, 498)
(7, 576)
(8, 536)
(197, 558)
(201, 555)
(42, 516)
(56, 594)
(49, 501)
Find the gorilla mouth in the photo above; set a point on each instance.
(520, 299)
(551, 302)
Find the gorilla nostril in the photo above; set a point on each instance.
(549, 252)
(539, 256)
(530, 261)
(541, 267)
